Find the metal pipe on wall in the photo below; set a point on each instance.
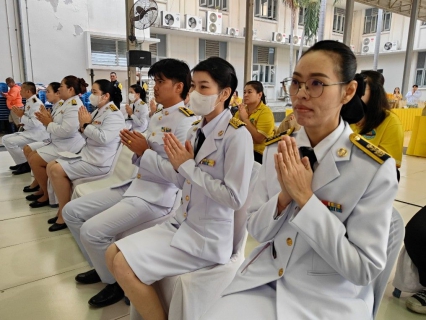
(22, 42)
(8, 37)
(248, 46)
(378, 35)
(349, 14)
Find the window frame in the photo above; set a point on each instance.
(266, 71)
(421, 69)
(340, 28)
(371, 17)
(268, 11)
(221, 5)
(223, 48)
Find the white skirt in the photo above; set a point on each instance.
(151, 257)
(77, 168)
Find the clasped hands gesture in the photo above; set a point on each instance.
(129, 110)
(294, 174)
(84, 116)
(18, 111)
(242, 111)
(134, 140)
(176, 152)
(44, 116)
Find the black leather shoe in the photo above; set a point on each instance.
(36, 204)
(33, 197)
(109, 295)
(29, 189)
(88, 277)
(57, 226)
(52, 220)
(23, 168)
(14, 167)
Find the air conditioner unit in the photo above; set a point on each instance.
(391, 46)
(232, 32)
(278, 37)
(296, 39)
(193, 23)
(214, 22)
(170, 19)
(367, 45)
(254, 33)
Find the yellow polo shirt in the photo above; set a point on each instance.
(389, 136)
(263, 119)
(235, 101)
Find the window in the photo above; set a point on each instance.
(421, 70)
(339, 20)
(264, 64)
(370, 20)
(212, 48)
(423, 23)
(158, 50)
(302, 15)
(215, 4)
(266, 9)
(108, 52)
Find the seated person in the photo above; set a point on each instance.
(235, 102)
(34, 130)
(96, 219)
(289, 122)
(138, 111)
(101, 131)
(257, 116)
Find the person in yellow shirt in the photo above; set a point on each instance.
(380, 126)
(235, 102)
(257, 116)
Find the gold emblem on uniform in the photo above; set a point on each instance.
(195, 129)
(236, 123)
(153, 134)
(28, 108)
(220, 133)
(371, 150)
(96, 122)
(165, 129)
(289, 242)
(73, 102)
(342, 152)
(161, 117)
(139, 176)
(187, 198)
(186, 111)
(166, 113)
(113, 108)
(208, 162)
(280, 272)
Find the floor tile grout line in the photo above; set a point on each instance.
(409, 203)
(24, 216)
(35, 240)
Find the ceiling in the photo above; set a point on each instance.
(402, 7)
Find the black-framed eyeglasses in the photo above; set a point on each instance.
(313, 87)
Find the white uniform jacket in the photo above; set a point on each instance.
(139, 120)
(63, 131)
(213, 185)
(102, 136)
(323, 257)
(34, 129)
(148, 186)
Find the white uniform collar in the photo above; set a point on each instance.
(170, 110)
(209, 127)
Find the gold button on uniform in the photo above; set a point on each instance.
(185, 215)
(289, 242)
(139, 175)
(220, 133)
(280, 272)
(166, 113)
(187, 198)
(160, 118)
(188, 182)
(342, 152)
(153, 134)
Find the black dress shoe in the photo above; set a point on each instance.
(23, 168)
(37, 204)
(57, 226)
(14, 167)
(109, 295)
(33, 197)
(88, 277)
(52, 220)
(29, 189)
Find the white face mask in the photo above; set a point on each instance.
(94, 100)
(202, 105)
(132, 97)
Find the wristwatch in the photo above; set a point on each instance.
(85, 125)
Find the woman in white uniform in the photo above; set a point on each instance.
(323, 235)
(138, 112)
(213, 170)
(101, 130)
(62, 126)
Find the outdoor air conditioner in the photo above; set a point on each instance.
(193, 23)
(170, 19)
(214, 22)
(296, 39)
(278, 37)
(367, 45)
(254, 33)
(391, 46)
(232, 32)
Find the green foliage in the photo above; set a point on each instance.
(311, 14)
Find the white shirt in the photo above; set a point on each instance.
(413, 98)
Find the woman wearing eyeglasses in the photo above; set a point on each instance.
(323, 228)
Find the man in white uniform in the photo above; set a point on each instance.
(413, 96)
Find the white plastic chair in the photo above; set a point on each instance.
(396, 236)
(189, 295)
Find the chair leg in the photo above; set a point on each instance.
(396, 293)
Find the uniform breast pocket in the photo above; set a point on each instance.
(320, 267)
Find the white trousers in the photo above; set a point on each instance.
(14, 143)
(96, 219)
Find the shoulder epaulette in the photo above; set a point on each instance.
(186, 111)
(277, 137)
(370, 149)
(159, 110)
(236, 123)
(195, 123)
(73, 102)
(113, 108)
(34, 100)
(60, 103)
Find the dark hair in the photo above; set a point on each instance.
(30, 86)
(112, 73)
(258, 86)
(345, 59)
(398, 89)
(55, 86)
(9, 80)
(415, 86)
(222, 72)
(78, 84)
(236, 92)
(175, 70)
(105, 86)
(138, 89)
(377, 107)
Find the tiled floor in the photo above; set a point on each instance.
(37, 268)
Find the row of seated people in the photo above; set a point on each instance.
(297, 216)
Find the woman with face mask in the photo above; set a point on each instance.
(101, 131)
(257, 116)
(62, 126)
(213, 170)
(138, 112)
